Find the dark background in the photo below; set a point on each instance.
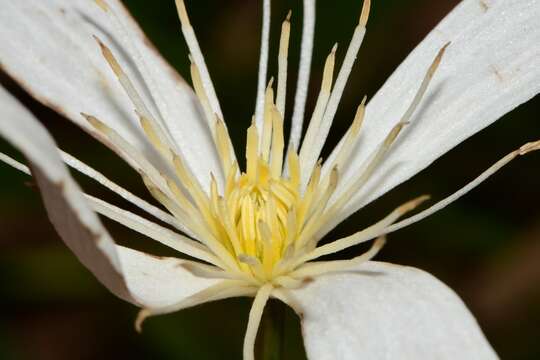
(486, 246)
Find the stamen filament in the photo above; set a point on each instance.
(308, 158)
(341, 81)
(282, 64)
(198, 58)
(255, 314)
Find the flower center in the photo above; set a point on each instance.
(261, 226)
(262, 218)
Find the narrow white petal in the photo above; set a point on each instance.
(491, 66)
(95, 175)
(306, 54)
(47, 46)
(385, 311)
(129, 274)
(161, 234)
(263, 65)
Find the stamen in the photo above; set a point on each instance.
(201, 94)
(361, 236)
(307, 155)
(282, 64)
(224, 146)
(147, 72)
(140, 203)
(255, 265)
(153, 137)
(368, 169)
(424, 85)
(213, 272)
(364, 15)
(372, 163)
(198, 58)
(126, 151)
(294, 169)
(313, 218)
(266, 136)
(323, 267)
(251, 152)
(523, 150)
(222, 290)
(139, 224)
(132, 93)
(255, 315)
(102, 5)
(350, 140)
(341, 80)
(191, 183)
(163, 235)
(278, 144)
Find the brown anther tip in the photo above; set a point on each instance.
(141, 316)
(438, 58)
(92, 120)
(408, 206)
(364, 15)
(529, 147)
(442, 50)
(100, 43)
(218, 119)
(102, 4)
(182, 265)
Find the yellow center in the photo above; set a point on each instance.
(260, 226)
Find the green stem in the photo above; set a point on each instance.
(272, 332)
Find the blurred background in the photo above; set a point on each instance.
(486, 246)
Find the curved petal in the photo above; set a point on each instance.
(159, 282)
(491, 66)
(48, 47)
(386, 311)
(132, 275)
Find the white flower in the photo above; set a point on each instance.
(256, 233)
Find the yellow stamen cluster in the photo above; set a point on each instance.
(261, 217)
(262, 225)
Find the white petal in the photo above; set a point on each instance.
(386, 311)
(47, 46)
(491, 66)
(134, 276)
(159, 282)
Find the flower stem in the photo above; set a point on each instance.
(272, 332)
